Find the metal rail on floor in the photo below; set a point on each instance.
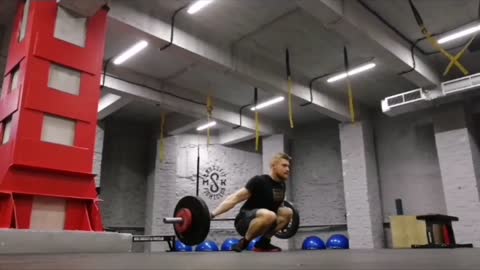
(170, 239)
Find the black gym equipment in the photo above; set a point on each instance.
(293, 226)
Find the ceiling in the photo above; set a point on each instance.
(263, 30)
(439, 17)
(400, 15)
(225, 21)
(141, 112)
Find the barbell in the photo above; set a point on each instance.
(191, 221)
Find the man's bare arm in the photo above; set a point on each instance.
(232, 200)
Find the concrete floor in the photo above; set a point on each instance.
(332, 259)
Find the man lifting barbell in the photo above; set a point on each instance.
(263, 213)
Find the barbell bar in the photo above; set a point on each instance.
(191, 221)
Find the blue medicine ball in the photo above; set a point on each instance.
(229, 243)
(337, 241)
(179, 246)
(207, 246)
(251, 246)
(312, 243)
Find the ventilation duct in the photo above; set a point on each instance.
(405, 102)
(463, 84)
(420, 99)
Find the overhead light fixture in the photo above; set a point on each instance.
(267, 103)
(354, 71)
(208, 125)
(197, 6)
(130, 52)
(459, 34)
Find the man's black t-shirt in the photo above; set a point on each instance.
(265, 193)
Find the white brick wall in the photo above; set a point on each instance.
(362, 196)
(176, 178)
(457, 154)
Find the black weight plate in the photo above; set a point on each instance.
(200, 220)
(293, 226)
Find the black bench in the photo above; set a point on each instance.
(448, 236)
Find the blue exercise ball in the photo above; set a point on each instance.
(337, 241)
(181, 247)
(313, 243)
(229, 243)
(207, 246)
(251, 246)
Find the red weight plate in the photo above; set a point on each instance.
(186, 224)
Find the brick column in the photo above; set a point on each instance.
(48, 117)
(459, 164)
(161, 193)
(272, 145)
(362, 192)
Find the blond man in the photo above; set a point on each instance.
(262, 213)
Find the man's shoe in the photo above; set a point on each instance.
(264, 245)
(243, 244)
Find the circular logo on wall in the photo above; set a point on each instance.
(214, 182)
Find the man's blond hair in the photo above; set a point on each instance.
(278, 157)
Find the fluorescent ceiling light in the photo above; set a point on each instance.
(208, 125)
(460, 34)
(195, 7)
(130, 52)
(267, 103)
(351, 72)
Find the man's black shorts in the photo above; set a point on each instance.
(243, 219)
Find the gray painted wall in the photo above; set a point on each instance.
(124, 173)
(408, 164)
(317, 174)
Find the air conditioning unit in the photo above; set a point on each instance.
(467, 83)
(420, 99)
(405, 102)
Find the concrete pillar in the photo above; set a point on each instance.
(161, 196)
(270, 146)
(362, 192)
(459, 163)
(98, 154)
